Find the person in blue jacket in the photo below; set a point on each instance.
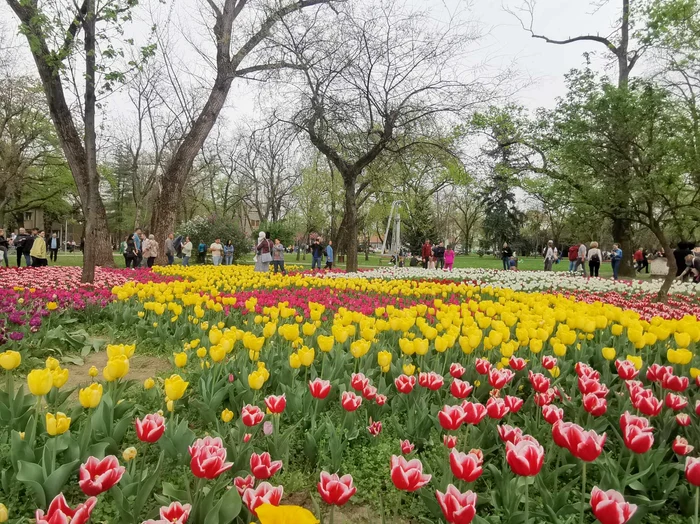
(329, 255)
(616, 260)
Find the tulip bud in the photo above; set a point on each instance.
(129, 454)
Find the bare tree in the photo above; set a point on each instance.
(269, 169)
(240, 52)
(376, 75)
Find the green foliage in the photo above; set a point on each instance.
(419, 225)
(280, 229)
(208, 229)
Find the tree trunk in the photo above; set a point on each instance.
(349, 233)
(621, 235)
(662, 295)
(175, 177)
(98, 251)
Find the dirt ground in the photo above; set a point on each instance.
(140, 368)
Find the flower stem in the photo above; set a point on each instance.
(583, 493)
(527, 501)
(697, 504)
(330, 520)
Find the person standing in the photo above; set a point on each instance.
(38, 251)
(506, 253)
(426, 252)
(130, 253)
(573, 257)
(692, 267)
(581, 258)
(53, 247)
(439, 252)
(264, 254)
(217, 251)
(449, 258)
(4, 244)
(152, 247)
(170, 249)
(615, 260)
(202, 251)
(138, 237)
(278, 257)
(549, 256)
(186, 251)
(228, 253)
(329, 255)
(316, 254)
(594, 259)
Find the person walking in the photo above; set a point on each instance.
(594, 259)
(640, 260)
(329, 255)
(581, 258)
(170, 249)
(426, 252)
(316, 254)
(19, 242)
(506, 253)
(573, 257)
(53, 247)
(278, 257)
(439, 252)
(131, 254)
(228, 253)
(38, 251)
(549, 256)
(152, 246)
(264, 254)
(186, 251)
(616, 260)
(217, 251)
(138, 241)
(202, 251)
(449, 258)
(4, 245)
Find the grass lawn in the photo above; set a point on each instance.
(461, 261)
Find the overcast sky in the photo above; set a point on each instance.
(505, 42)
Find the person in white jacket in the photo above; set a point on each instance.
(595, 257)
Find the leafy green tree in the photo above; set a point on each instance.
(210, 228)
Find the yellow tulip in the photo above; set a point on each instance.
(60, 377)
(294, 361)
(93, 372)
(116, 368)
(215, 335)
(256, 380)
(555, 371)
(4, 515)
(170, 405)
(254, 355)
(359, 348)
(227, 415)
(175, 387)
(217, 353)
(57, 424)
(90, 396)
(262, 369)
(609, 353)
(694, 373)
(202, 352)
(559, 350)
(680, 356)
(129, 454)
(682, 339)
(269, 514)
(10, 360)
(40, 381)
(180, 359)
(616, 330)
(384, 359)
(149, 383)
(306, 355)
(325, 343)
(637, 361)
(308, 329)
(51, 363)
(409, 369)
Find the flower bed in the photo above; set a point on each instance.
(426, 401)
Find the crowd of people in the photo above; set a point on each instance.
(33, 247)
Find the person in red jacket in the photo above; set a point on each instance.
(426, 252)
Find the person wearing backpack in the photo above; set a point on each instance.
(573, 257)
(594, 259)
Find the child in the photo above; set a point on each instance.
(449, 258)
(513, 262)
(431, 263)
